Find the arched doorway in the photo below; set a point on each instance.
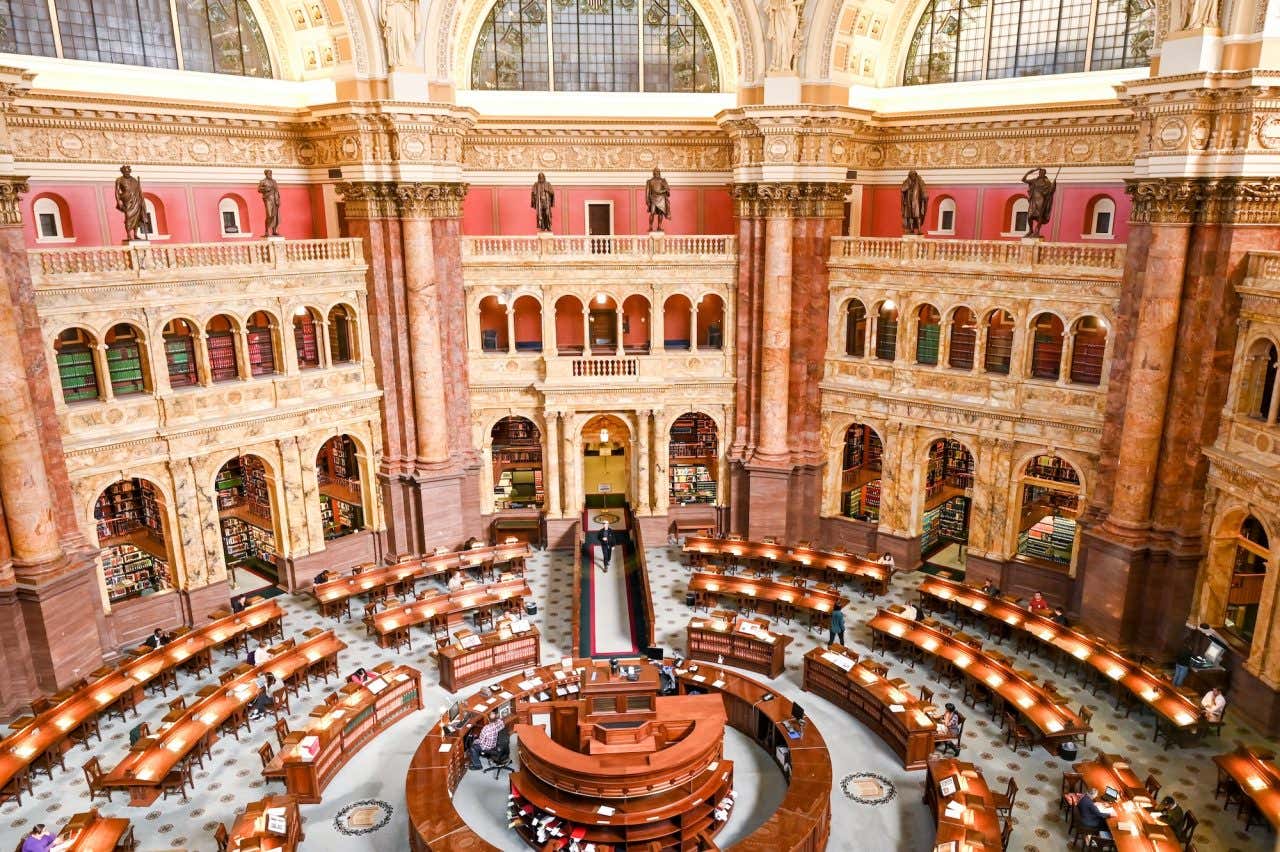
(1050, 505)
(606, 461)
(860, 473)
(692, 459)
(130, 522)
(247, 517)
(341, 497)
(944, 530)
(1248, 573)
(517, 464)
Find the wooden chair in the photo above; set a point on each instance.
(280, 705)
(1086, 716)
(1186, 832)
(926, 694)
(370, 609)
(1006, 830)
(1018, 733)
(1004, 801)
(282, 731)
(1153, 787)
(179, 703)
(93, 773)
(164, 681)
(20, 783)
(41, 704)
(226, 677)
(266, 753)
(175, 783)
(221, 837)
(238, 719)
(1072, 788)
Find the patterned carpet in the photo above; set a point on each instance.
(879, 810)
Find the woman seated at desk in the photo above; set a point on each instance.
(949, 727)
(359, 676)
(262, 702)
(42, 840)
(456, 581)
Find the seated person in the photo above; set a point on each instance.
(487, 739)
(1093, 819)
(886, 559)
(263, 701)
(259, 654)
(237, 603)
(909, 611)
(1038, 604)
(157, 639)
(1213, 704)
(1060, 617)
(950, 727)
(322, 577)
(456, 579)
(991, 589)
(1173, 815)
(40, 839)
(359, 676)
(666, 679)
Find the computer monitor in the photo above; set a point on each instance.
(655, 654)
(1112, 793)
(797, 712)
(1213, 653)
(504, 710)
(454, 710)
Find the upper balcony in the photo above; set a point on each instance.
(598, 250)
(1036, 257)
(1251, 417)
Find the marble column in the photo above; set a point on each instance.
(201, 345)
(322, 345)
(586, 332)
(618, 331)
(571, 460)
(644, 446)
(486, 480)
(106, 391)
(775, 341)
(661, 459)
(511, 329)
(551, 474)
(243, 369)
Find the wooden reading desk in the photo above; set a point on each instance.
(250, 831)
(781, 598)
(472, 658)
(1178, 710)
(747, 643)
(828, 565)
(1134, 825)
(49, 732)
(972, 821)
(1046, 712)
(92, 832)
(1258, 776)
(863, 688)
(338, 729)
(144, 769)
(446, 608)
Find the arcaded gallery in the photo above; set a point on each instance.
(639, 425)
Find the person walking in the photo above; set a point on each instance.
(835, 629)
(607, 539)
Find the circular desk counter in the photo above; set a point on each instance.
(801, 823)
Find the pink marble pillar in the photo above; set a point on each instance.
(422, 303)
(775, 343)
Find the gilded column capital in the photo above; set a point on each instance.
(788, 199)
(367, 199)
(1165, 201)
(11, 191)
(1242, 201)
(419, 200)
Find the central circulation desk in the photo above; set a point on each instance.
(1159, 694)
(828, 565)
(1053, 721)
(445, 608)
(143, 769)
(862, 688)
(782, 598)
(335, 732)
(721, 637)
(801, 823)
(496, 654)
(49, 731)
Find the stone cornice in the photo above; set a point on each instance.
(1218, 201)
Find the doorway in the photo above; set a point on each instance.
(606, 461)
(600, 224)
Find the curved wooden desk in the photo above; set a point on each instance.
(780, 597)
(826, 564)
(801, 823)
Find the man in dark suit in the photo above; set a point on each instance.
(607, 538)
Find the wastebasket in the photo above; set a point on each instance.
(530, 608)
(689, 599)
(1067, 751)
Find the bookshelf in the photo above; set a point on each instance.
(244, 505)
(692, 460)
(863, 502)
(1052, 469)
(692, 483)
(124, 365)
(76, 373)
(340, 517)
(1046, 356)
(517, 464)
(1086, 357)
(130, 572)
(927, 343)
(223, 366)
(306, 341)
(693, 436)
(1052, 538)
(131, 538)
(886, 339)
(495, 655)
(719, 639)
(180, 359)
(964, 343)
(999, 349)
(945, 524)
(950, 466)
(262, 352)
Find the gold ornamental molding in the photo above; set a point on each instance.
(11, 191)
(367, 199)
(410, 200)
(1165, 201)
(605, 146)
(1242, 201)
(791, 199)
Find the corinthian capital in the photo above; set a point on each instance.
(11, 191)
(430, 200)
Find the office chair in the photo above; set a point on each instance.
(499, 756)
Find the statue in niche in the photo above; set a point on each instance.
(542, 198)
(915, 201)
(401, 24)
(657, 198)
(270, 192)
(1040, 190)
(130, 202)
(1194, 14)
(783, 31)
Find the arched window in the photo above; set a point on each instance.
(130, 522)
(1258, 393)
(970, 40)
(224, 356)
(928, 334)
(946, 216)
(230, 220)
(180, 354)
(600, 46)
(855, 329)
(125, 360)
(342, 335)
(1018, 211)
(677, 316)
(77, 369)
(964, 339)
(246, 509)
(1088, 345)
(1248, 573)
(306, 339)
(1102, 218)
(341, 495)
(710, 322)
(692, 459)
(222, 37)
(528, 322)
(635, 325)
(948, 480)
(154, 224)
(53, 222)
(1050, 505)
(887, 331)
(1046, 347)
(860, 467)
(570, 334)
(999, 352)
(493, 324)
(260, 337)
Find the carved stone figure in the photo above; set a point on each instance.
(783, 32)
(1195, 14)
(657, 198)
(130, 202)
(1040, 190)
(915, 201)
(401, 24)
(542, 198)
(270, 192)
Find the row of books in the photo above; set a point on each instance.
(1051, 538)
(692, 483)
(131, 572)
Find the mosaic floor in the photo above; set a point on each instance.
(893, 820)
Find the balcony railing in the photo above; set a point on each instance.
(984, 252)
(689, 247)
(1264, 265)
(75, 265)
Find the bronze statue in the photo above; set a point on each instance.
(1040, 190)
(270, 192)
(915, 202)
(130, 202)
(542, 198)
(657, 198)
